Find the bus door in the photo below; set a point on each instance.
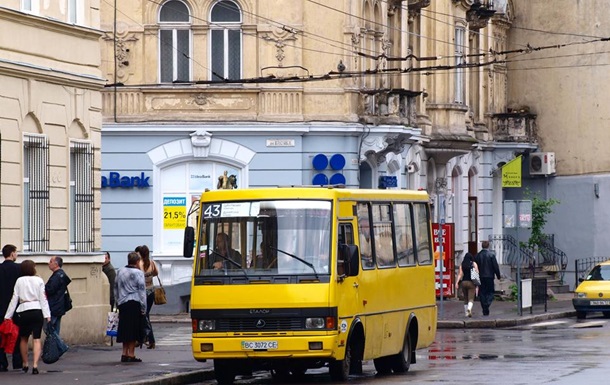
(348, 298)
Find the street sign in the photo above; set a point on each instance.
(517, 214)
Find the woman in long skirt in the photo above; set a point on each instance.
(130, 296)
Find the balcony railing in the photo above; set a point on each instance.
(514, 127)
(389, 106)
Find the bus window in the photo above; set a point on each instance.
(404, 234)
(422, 234)
(364, 238)
(346, 237)
(382, 234)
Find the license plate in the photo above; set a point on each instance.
(258, 345)
(600, 303)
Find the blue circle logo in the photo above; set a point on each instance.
(320, 180)
(337, 162)
(319, 162)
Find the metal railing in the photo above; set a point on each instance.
(509, 252)
(583, 265)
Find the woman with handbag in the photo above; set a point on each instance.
(149, 268)
(31, 308)
(465, 279)
(130, 296)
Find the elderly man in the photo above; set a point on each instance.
(56, 291)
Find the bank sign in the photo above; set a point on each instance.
(116, 180)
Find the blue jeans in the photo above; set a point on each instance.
(56, 323)
(150, 299)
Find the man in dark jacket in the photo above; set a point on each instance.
(110, 272)
(56, 291)
(9, 272)
(488, 267)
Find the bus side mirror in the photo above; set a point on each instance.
(348, 260)
(189, 242)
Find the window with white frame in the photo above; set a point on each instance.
(81, 197)
(174, 42)
(73, 10)
(32, 6)
(460, 58)
(226, 40)
(36, 209)
(180, 185)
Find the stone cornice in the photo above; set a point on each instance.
(49, 24)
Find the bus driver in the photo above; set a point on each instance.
(223, 249)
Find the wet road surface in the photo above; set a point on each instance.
(557, 352)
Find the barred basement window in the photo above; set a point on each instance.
(81, 197)
(36, 211)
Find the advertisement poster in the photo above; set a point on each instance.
(448, 241)
(174, 213)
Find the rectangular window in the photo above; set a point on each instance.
(460, 77)
(404, 234)
(364, 236)
(218, 56)
(36, 209)
(382, 234)
(81, 197)
(174, 58)
(422, 234)
(72, 11)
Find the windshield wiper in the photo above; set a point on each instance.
(297, 258)
(231, 261)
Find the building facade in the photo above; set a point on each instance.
(364, 93)
(566, 88)
(50, 127)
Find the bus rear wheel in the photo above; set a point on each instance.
(383, 365)
(402, 360)
(224, 372)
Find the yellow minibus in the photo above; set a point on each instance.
(291, 278)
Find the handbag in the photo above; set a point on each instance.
(54, 347)
(67, 301)
(474, 276)
(160, 294)
(112, 325)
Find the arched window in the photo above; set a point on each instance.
(225, 42)
(175, 42)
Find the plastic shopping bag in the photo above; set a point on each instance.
(112, 326)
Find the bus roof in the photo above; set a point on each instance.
(311, 192)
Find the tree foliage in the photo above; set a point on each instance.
(541, 208)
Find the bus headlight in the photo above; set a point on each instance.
(315, 323)
(206, 325)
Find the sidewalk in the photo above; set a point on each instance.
(502, 313)
(174, 365)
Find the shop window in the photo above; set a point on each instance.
(35, 193)
(226, 41)
(174, 42)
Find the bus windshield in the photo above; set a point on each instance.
(264, 238)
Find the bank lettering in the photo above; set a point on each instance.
(115, 180)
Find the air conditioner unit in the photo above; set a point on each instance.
(542, 163)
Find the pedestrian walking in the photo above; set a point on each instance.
(29, 307)
(9, 272)
(130, 295)
(110, 272)
(56, 291)
(150, 270)
(465, 280)
(488, 268)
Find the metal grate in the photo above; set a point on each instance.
(36, 227)
(81, 197)
(270, 324)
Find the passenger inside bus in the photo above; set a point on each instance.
(223, 249)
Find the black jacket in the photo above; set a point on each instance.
(9, 272)
(56, 288)
(488, 265)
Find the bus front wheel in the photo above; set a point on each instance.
(224, 372)
(340, 369)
